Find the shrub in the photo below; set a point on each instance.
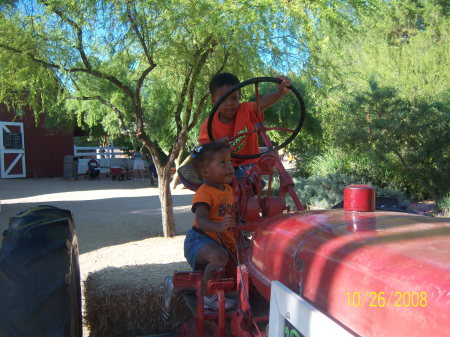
(444, 204)
(405, 135)
(325, 191)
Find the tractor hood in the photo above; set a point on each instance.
(377, 273)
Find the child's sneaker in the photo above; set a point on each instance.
(167, 297)
(213, 303)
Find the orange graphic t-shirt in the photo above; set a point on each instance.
(245, 120)
(220, 204)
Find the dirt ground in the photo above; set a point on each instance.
(118, 223)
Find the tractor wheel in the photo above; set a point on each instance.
(113, 178)
(39, 275)
(121, 177)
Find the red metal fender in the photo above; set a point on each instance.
(377, 273)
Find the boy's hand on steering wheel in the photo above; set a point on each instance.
(283, 86)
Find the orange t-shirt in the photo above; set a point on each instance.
(220, 204)
(245, 120)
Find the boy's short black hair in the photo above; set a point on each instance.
(204, 153)
(220, 80)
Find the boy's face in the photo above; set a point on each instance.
(218, 170)
(227, 110)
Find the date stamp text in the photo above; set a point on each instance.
(400, 299)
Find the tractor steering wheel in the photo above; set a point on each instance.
(255, 81)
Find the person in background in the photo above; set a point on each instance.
(138, 165)
(290, 158)
(153, 173)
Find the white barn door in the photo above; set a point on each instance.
(12, 150)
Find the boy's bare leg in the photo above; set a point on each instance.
(215, 258)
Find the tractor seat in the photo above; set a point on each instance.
(189, 177)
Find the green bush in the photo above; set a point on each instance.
(325, 191)
(328, 162)
(405, 135)
(384, 172)
(444, 204)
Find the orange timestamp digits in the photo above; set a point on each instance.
(381, 299)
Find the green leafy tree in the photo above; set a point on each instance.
(137, 68)
(381, 84)
(407, 136)
(286, 113)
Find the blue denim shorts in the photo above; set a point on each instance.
(193, 243)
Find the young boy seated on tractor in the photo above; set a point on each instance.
(234, 117)
(210, 240)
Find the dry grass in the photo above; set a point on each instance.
(123, 286)
(128, 300)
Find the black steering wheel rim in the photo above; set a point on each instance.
(254, 81)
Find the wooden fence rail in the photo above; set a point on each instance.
(99, 151)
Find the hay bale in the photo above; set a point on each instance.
(128, 300)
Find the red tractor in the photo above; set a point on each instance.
(343, 272)
(354, 271)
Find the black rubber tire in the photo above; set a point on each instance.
(39, 275)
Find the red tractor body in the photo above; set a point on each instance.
(376, 273)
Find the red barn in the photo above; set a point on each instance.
(27, 150)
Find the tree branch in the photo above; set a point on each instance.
(209, 44)
(79, 31)
(404, 164)
(140, 36)
(141, 80)
(205, 97)
(197, 112)
(127, 90)
(181, 101)
(32, 57)
(116, 110)
(152, 147)
(225, 60)
(177, 145)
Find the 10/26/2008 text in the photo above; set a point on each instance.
(401, 299)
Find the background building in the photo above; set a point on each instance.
(30, 150)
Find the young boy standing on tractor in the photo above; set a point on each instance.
(234, 117)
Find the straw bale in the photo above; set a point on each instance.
(128, 300)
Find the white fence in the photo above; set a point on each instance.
(107, 156)
(99, 152)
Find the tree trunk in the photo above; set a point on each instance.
(176, 178)
(165, 197)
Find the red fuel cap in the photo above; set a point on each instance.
(360, 198)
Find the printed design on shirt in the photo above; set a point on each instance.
(240, 141)
(224, 207)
